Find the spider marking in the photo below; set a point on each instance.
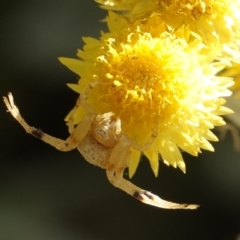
(101, 142)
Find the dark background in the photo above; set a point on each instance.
(50, 195)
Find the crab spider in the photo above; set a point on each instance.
(102, 143)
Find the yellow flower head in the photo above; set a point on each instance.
(216, 21)
(150, 76)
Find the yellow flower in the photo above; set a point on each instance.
(152, 77)
(234, 72)
(216, 21)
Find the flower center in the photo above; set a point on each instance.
(141, 82)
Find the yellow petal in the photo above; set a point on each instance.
(153, 158)
(133, 162)
(77, 66)
(74, 87)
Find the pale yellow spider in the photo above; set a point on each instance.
(101, 142)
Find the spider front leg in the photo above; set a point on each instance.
(117, 163)
(142, 195)
(149, 142)
(78, 134)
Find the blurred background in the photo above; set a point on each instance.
(50, 195)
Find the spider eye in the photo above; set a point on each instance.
(103, 132)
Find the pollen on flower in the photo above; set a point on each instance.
(151, 77)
